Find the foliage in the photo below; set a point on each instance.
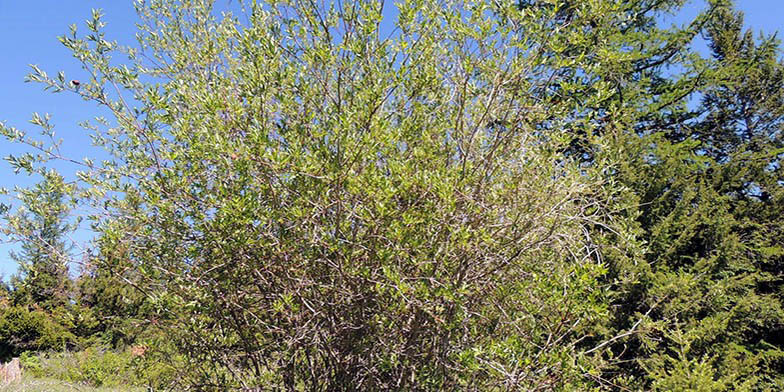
(42, 225)
(108, 306)
(403, 219)
(708, 179)
(466, 196)
(24, 330)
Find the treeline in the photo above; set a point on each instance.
(534, 195)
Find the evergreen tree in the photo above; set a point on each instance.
(42, 225)
(108, 306)
(706, 299)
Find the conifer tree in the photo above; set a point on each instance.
(708, 179)
(42, 227)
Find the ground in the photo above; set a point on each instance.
(51, 385)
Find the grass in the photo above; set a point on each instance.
(29, 384)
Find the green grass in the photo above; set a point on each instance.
(28, 384)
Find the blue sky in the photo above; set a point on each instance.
(29, 30)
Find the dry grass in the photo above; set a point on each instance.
(27, 384)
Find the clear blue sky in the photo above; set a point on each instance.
(29, 29)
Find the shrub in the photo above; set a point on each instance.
(341, 213)
(22, 330)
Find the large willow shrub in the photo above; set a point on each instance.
(355, 195)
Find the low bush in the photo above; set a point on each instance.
(22, 329)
